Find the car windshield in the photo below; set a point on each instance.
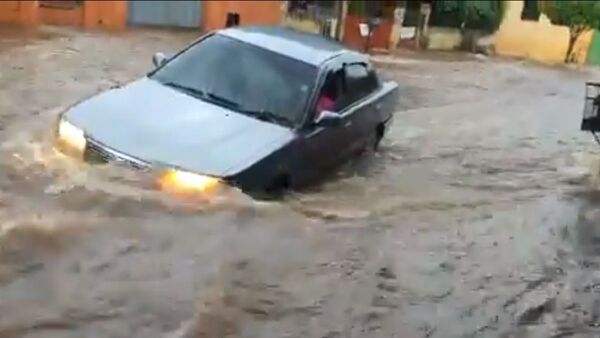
(242, 77)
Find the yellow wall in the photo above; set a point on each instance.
(538, 40)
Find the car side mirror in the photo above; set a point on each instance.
(159, 59)
(328, 119)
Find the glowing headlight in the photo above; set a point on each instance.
(71, 136)
(185, 182)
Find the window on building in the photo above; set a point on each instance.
(310, 9)
(371, 8)
(65, 4)
(531, 10)
(412, 14)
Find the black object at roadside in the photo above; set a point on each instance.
(233, 19)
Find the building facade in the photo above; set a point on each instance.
(339, 19)
(119, 14)
(527, 33)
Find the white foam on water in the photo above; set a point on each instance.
(585, 170)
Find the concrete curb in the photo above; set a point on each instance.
(393, 60)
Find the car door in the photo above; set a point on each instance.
(323, 147)
(360, 106)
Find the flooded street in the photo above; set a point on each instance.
(479, 217)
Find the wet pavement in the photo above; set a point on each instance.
(477, 218)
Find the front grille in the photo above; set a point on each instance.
(98, 153)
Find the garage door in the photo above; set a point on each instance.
(165, 13)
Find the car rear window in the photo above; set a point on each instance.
(255, 78)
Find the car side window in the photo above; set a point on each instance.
(346, 86)
(331, 92)
(360, 82)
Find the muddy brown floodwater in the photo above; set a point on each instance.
(479, 217)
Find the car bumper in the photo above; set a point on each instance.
(167, 178)
(96, 152)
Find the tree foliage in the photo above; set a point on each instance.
(573, 13)
(579, 16)
(470, 14)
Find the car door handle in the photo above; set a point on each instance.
(348, 124)
(378, 107)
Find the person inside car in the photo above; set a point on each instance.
(328, 96)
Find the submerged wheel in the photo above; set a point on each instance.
(378, 136)
(275, 189)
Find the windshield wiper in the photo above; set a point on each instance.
(193, 91)
(220, 99)
(262, 114)
(205, 95)
(268, 116)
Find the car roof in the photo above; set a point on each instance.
(310, 48)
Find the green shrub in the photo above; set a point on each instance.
(580, 16)
(468, 14)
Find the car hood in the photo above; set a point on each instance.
(161, 125)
